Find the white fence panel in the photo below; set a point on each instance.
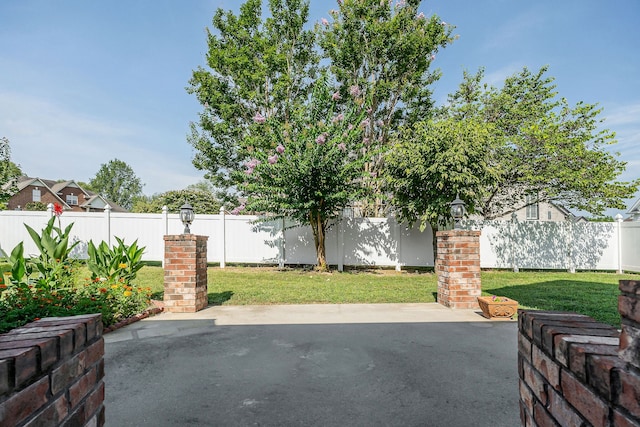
(630, 246)
(355, 241)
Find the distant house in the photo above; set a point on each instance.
(634, 212)
(69, 194)
(544, 211)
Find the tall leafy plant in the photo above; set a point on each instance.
(120, 263)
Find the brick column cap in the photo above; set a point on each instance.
(184, 237)
(458, 233)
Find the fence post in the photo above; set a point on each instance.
(512, 250)
(222, 245)
(107, 215)
(398, 234)
(619, 230)
(571, 268)
(340, 244)
(282, 246)
(165, 219)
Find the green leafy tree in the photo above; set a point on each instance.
(117, 182)
(253, 67)
(540, 150)
(315, 167)
(387, 49)
(9, 173)
(203, 202)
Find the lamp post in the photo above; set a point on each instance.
(186, 216)
(457, 211)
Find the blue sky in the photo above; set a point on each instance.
(83, 82)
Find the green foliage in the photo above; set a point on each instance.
(54, 291)
(535, 144)
(203, 202)
(254, 66)
(315, 167)
(54, 266)
(9, 173)
(119, 264)
(117, 182)
(437, 161)
(35, 206)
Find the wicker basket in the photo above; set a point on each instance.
(502, 307)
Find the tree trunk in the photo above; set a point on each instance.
(434, 243)
(319, 228)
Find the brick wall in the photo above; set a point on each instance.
(458, 268)
(575, 371)
(185, 273)
(51, 373)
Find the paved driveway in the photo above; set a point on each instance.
(329, 365)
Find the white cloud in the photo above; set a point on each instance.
(52, 141)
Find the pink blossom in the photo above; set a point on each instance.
(338, 118)
(272, 159)
(280, 148)
(333, 12)
(354, 90)
(322, 138)
(369, 110)
(350, 127)
(421, 15)
(342, 146)
(259, 118)
(365, 123)
(380, 123)
(433, 57)
(336, 96)
(324, 21)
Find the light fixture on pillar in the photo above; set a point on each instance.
(457, 211)
(186, 216)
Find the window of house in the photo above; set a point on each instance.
(35, 195)
(549, 215)
(532, 207)
(71, 199)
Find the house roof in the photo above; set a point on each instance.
(635, 208)
(93, 200)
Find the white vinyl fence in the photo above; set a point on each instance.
(350, 241)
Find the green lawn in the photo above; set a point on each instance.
(593, 294)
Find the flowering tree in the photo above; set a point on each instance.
(315, 164)
(9, 172)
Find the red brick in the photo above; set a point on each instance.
(562, 412)
(542, 417)
(549, 369)
(600, 373)
(629, 286)
(82, 387)
(629, 394)
(548, 332)
(630, 345)
(94, 401)
(563, 343)
(76, 418)
(21, 405)
(7, 380)
(48, 348)
(536, 383)
(25, 363)
(94, 352)
(64, 337)
(622, 420)
(629, 307)
(585, 400)
(52, 415)
(63, 376)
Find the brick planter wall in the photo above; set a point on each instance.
(51, 373)
(185, 273)
(458, 268)
(575, 371)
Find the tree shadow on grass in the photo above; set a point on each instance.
(219, 298)
(597, 300)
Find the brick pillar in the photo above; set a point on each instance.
(185, 273)
(629, 308)
(458, 268)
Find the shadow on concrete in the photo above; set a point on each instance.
(197, 373)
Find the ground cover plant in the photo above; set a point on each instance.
(54, 284)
